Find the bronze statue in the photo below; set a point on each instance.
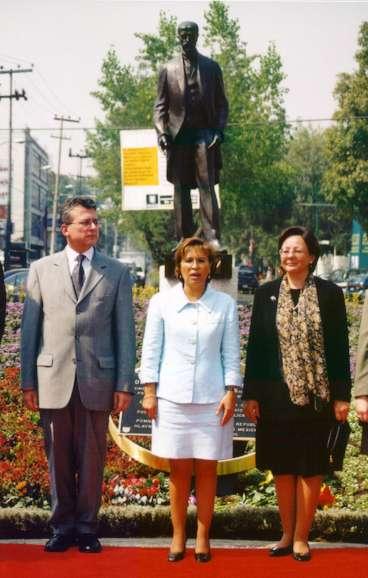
(190, 115)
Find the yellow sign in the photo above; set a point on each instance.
(140, 166)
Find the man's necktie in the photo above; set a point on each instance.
(78, 275)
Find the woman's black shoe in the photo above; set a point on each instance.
(175, 556)
(276, 551)
(203, 556)
(302, 557)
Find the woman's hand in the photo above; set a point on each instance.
(227, 407)
(361, 407)
(341, 409)
(251, 410)
(149, 401)
(149, 404)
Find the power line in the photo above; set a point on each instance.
(53, 93)
(13, 60)
(17, 96)
(81, 157)
(245, 124)
(62, 119)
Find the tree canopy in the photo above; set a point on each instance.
(307, 158)
(256, 192)
(346, 179)
(255, 183)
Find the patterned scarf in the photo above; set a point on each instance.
(301, 343)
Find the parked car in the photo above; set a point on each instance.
(15, 282)
(339, 276)
(247, 279)
(357, 283)
(140, 277)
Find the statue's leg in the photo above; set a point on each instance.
(184, 225)
(208, 206)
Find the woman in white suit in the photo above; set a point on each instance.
(190, 370)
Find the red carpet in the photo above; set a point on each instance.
(28, 561)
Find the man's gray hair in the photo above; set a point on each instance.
(70, 204)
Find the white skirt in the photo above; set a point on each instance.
(191, 430)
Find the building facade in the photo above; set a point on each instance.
(31, 188)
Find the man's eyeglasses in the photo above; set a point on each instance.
(86, 223)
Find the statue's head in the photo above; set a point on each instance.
(188, 35)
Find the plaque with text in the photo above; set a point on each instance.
(134, 421)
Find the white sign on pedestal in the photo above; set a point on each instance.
(143, 173)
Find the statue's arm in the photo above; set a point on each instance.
(222, 105)
(161, 106)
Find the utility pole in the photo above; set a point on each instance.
(62, 119)
(81, 157)
(17, 95)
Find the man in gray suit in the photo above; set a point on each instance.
(190, 115)
(77, 364)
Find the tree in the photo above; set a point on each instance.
(255, 185)
(307, 159)
(346, 179)
(126, 96)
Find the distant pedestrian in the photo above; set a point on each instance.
(269, 274)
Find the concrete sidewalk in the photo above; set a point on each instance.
(215, 543)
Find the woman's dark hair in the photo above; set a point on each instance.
(309, 239)
(194, 243)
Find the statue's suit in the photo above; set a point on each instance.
(170, 112)
(77, 350)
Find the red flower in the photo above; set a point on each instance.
(326, 497)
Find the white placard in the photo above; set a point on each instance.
(143, 173)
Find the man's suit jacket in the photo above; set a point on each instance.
(361, 374)
(91, 339)
(169, 109)
(263, 365)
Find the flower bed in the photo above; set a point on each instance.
(23, 468)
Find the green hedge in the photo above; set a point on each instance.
(239, 522)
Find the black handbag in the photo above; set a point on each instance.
(337, 441)
(364, 442)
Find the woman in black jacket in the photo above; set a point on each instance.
(297, 380)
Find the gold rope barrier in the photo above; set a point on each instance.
(144, 456)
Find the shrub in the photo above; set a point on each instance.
(23, 468)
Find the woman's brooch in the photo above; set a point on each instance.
(273, 298)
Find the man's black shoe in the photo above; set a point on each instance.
(89, 543)
(59, 543)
